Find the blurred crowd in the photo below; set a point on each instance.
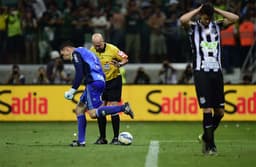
(147, 30)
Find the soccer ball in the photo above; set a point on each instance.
(125, 138)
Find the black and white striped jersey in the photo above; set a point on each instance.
(205, 44)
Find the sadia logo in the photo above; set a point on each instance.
(243, 105)
(180, 104)
(29, 104)
(4, 104)
(184, 104)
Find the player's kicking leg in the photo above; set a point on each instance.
(108, 110)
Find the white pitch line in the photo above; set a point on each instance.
(152, 156)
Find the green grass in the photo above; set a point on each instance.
(46, 144)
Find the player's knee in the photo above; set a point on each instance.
(80, 109)
(219, 111)
(92, 114)
(207, 110)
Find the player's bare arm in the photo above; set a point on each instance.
(186, 18)
(229, 18)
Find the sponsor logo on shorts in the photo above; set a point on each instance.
(202, 100)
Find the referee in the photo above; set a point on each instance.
(111, 59)
(204, 36)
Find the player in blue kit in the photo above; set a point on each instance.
(88, 67)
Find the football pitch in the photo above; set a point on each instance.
(155, 144)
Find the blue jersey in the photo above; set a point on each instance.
(87, 67)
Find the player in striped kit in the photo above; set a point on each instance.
(204, 36)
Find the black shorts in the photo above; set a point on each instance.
(209, 89)
(113, 90)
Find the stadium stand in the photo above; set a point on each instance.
(55, 21)
(30, 71)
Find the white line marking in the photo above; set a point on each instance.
(153, 150)
(152, 156)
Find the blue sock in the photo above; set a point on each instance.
(106, 110)
(81, 126)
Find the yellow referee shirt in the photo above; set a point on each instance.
(110, 53)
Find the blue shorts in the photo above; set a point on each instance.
(92, 94)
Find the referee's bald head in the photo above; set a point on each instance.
(98, 42)
(97, 37)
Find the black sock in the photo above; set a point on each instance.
(102, 122)
(216, 120)
(208, 129)
(115, 124)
